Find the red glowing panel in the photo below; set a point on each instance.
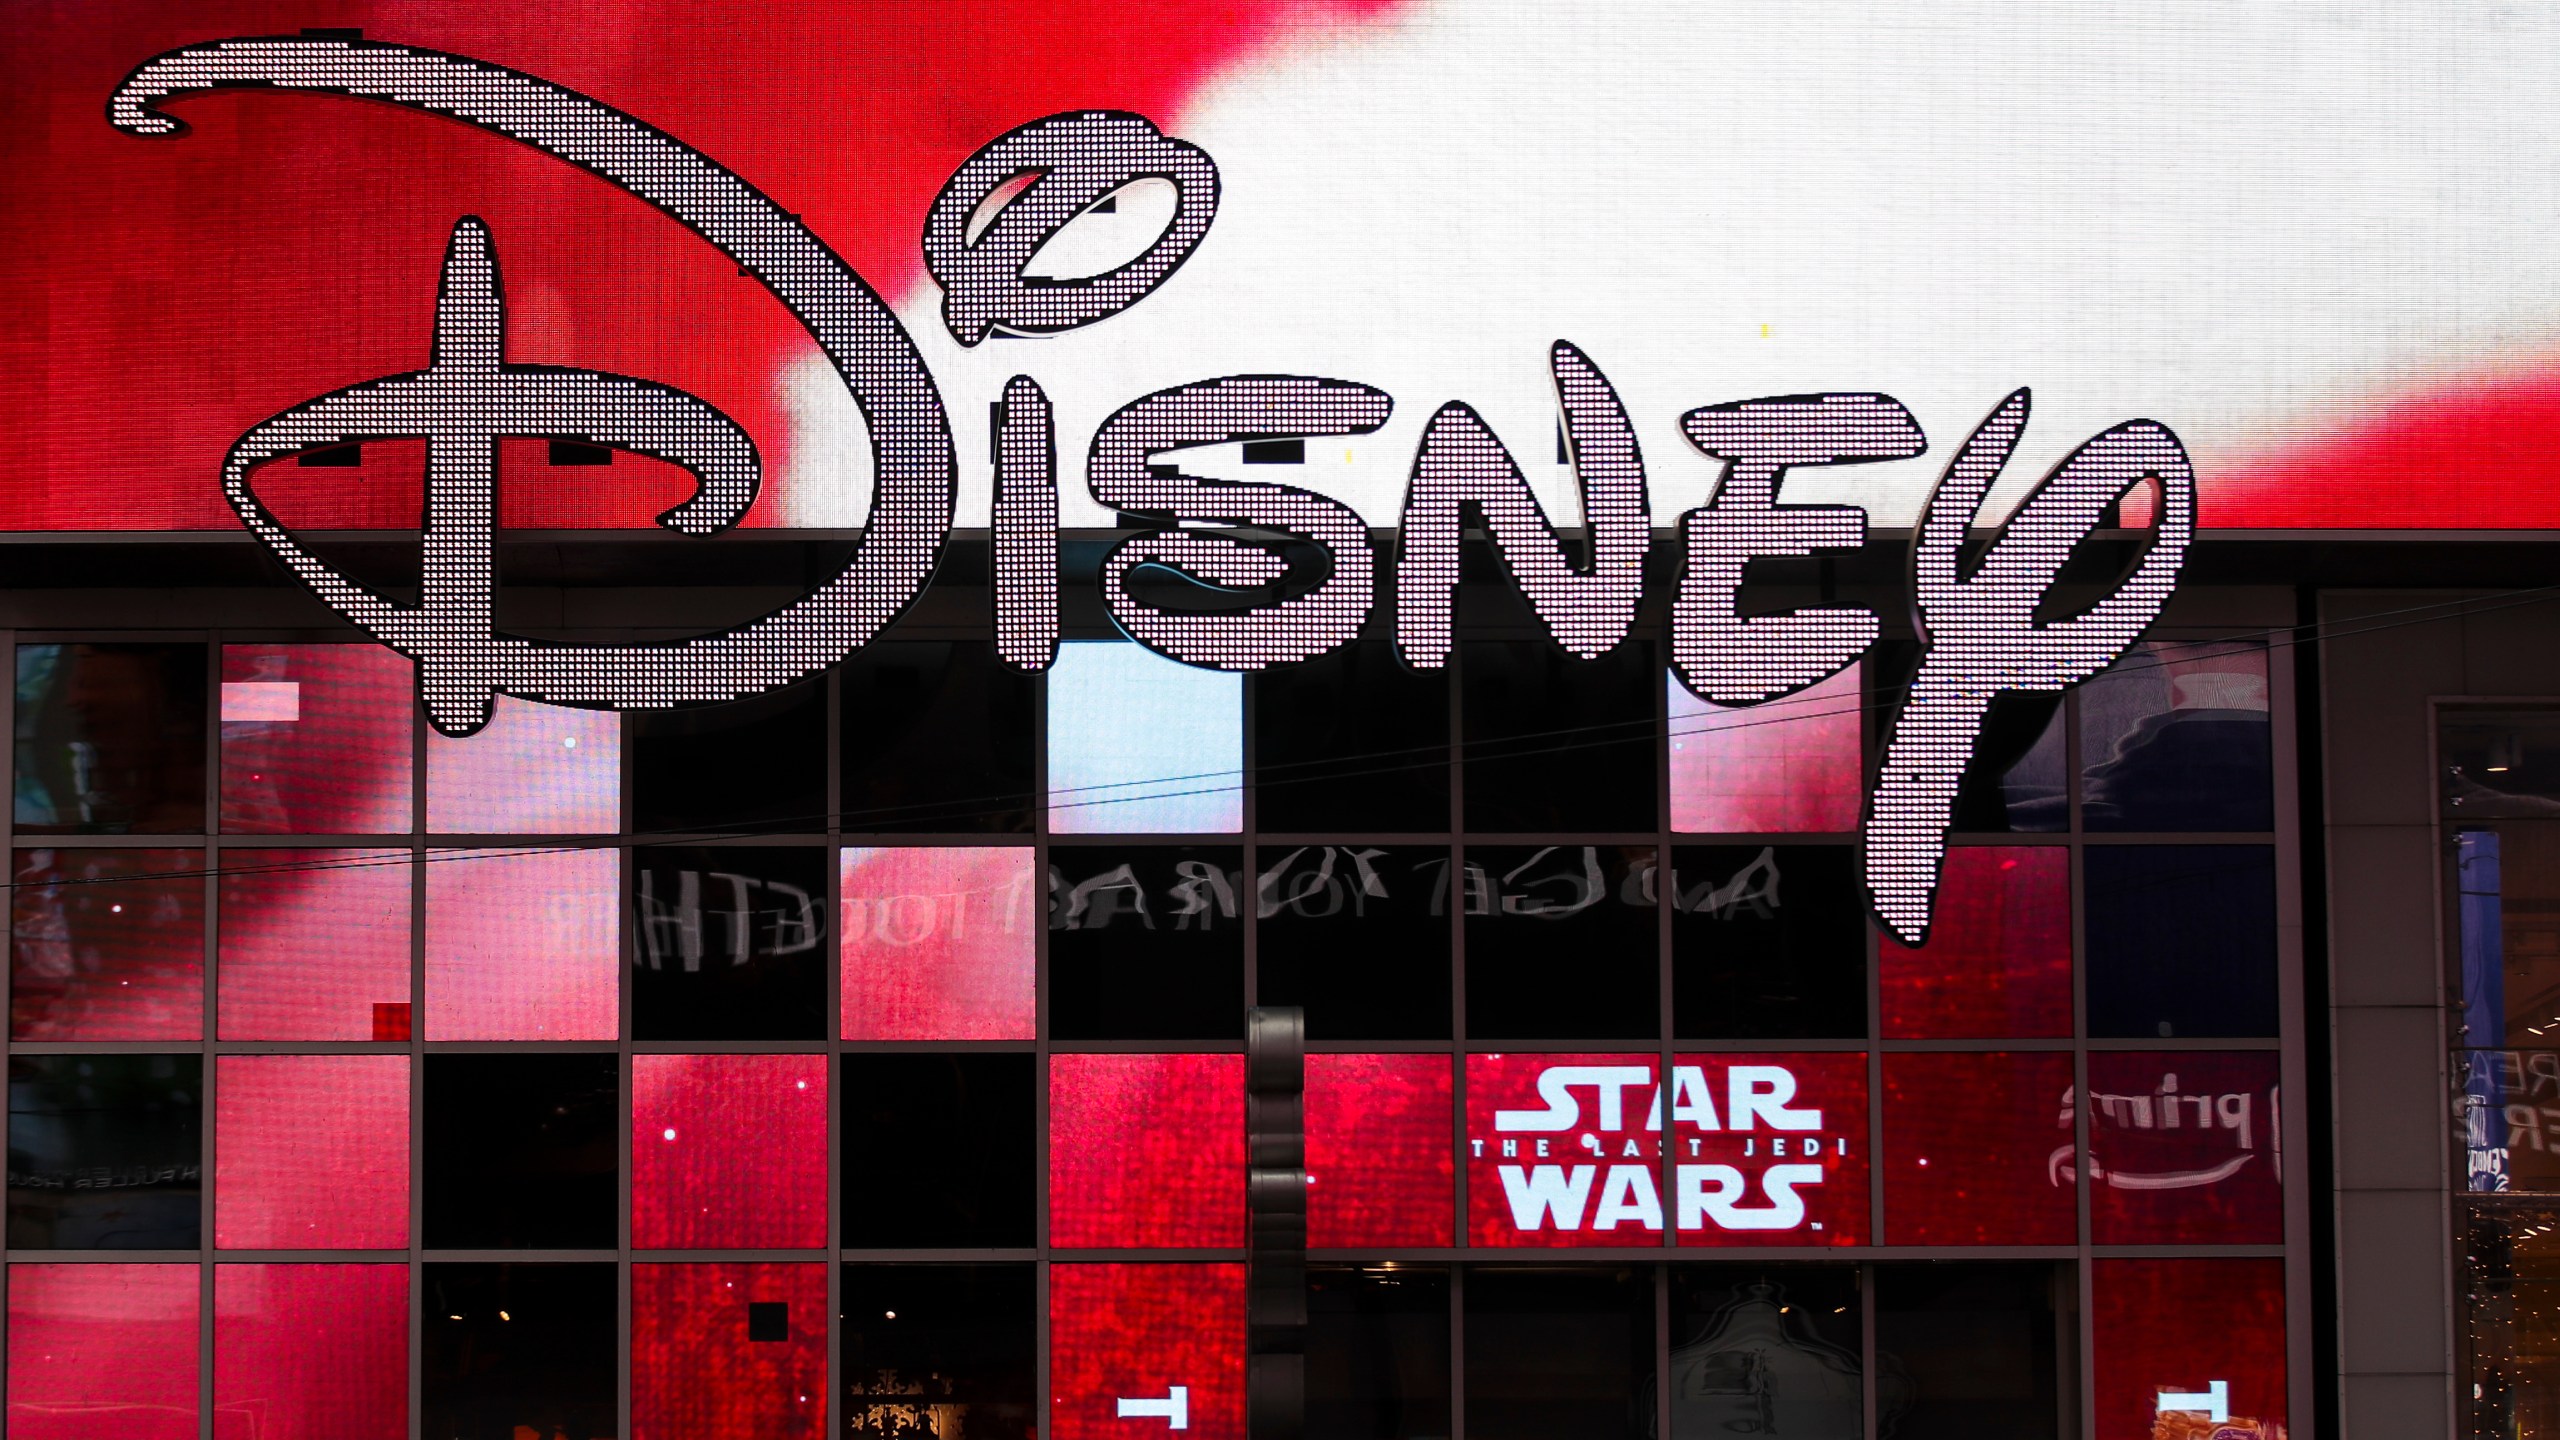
(1772, 1149)
(728, 1152)
(311, 1152)
(698, 1368)
(1978, 1150)
(1998, 962)
(2186, 1149)
(1146, 1150)
(1378, 1168)
(1791, 766)
(311, 1352)
(311, 941)
(532, 770)
(316, 739)
(2171, 1332)
(107, 945)
(939, 943)
(523, 946)
(1169, 1339)
(103, 1350)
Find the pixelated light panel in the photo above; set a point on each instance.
(1146, 1349)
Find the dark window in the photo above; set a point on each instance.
(1275, 452)
(729, 942)
(105, 1152)
(572, 452)
(516, 1349)
(1768, 942)
(1766, 1349)
(1556, 743)
(1968, 1350)
(107, 945)
(1563, 943)
(941, 1351)
(768, 1320)
(2181, 940)
(1146, 943)
(754, 764)
(1559, 1354)
(1378, 1353)
(521, 1150)
(1351, 742)
(938, 1150)
(1358, 935)
(2175, 737)
(938, 737)
(110, 739)
(2019, 778)
(335, 457)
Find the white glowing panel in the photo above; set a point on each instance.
(1139, 744)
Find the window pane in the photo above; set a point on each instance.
(1766, 942)
(2018, 781)
(107, 945)
(2150, 1347)
(758, 764)
(2186, 1149)
(1978, 1150)
(521, 1150)
(938, 736)
(1998, 961)
(1357, 936)
(105, 1151)
(314, 944)
(1766, 1349)
(1534, 1179)
(947, 1352)
(532, 770)
(2506, 915)
(518, 1349)
(1136, 1331)
(1351, 741)
(110, 739)
(1378, 1353)
(940, 1150)
(1772, 1149)
(1792, 765)
(1563, 942)
(1146, 1151)
(311, 1152)
(698, 1367)
(1556, 1354)
(316, 739)
(1975, 1349)
(100, 1350)
(2509, 1288)
(1556, 743)
(732, 942)
(2500, 764)
(939, 943)
(1378, 1166)
(1139, 744)
(1145, 944)
(523, 946)
(728, 1152)
(2175, 737)
(316, 1352)
(2182, 940)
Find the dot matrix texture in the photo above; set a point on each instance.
(1025, 533)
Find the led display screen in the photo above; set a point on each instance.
(311, 1152)
(107, 945)
(314, 944)
(728, 1152)
(728, 1349)
(315, 740)
(1146, 1343)
(2161, 1372)
(1146, 1151)
(311, 1352)
(2188, 1148)
(1978, 1149)
(523, 944)
(1998, 960)
(1378, 1158)
(103, 1349)
(938, 944)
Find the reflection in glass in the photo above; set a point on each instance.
(1139, 744)
(1791, 765)
(1767, 1350)
(521, 1150)
(1559, 1354)
(1358, 936)
(939, 1352)
(523, 945)
(2184, 1149)
(2149, 1320)
(314, 945)
(316, 739)
(1351, 741)
(515, 1349)
(2181, 940)
(938, 942)
(532, 770)
(2510, 1336)
(2175, 737)
(1146, 943)
(1377, 1352)
(105, 1151)
(2017, 783)
(1562, 942)
(1973, 1350)
(939, 1150)
(1766, 942)
(110, 739)
(103, 1350)
(729, 943)
(2500, 764)
(938, 736)
(1556, 743)
(107, 945)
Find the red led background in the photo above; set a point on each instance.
(1135, 1332)
(1978, 1150)
(1998, 962)
(1378, 1159)
(311, 1352)
(1146, 1151)
(728, 1152)
(2188, 1151)
(316, 739)
(313, 943)
(939, 944)
(2180, 1325)
(107, 945)
(696, 1373)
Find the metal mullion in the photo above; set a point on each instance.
(834, 1016)
(2292, 1063)
(627, 954)
(1666, 1089)
(1870, 1423)
(207, 1084)
(2084, 1360)
(418, 739)
(1458, 1352)
(1041, 1254)
(1454, 729)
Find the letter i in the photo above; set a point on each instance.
(1026, 526)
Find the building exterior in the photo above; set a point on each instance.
(998, 1027)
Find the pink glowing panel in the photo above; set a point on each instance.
(1790, 766)
(107, 945)
(533, 770)
(940, 943)
(316, 739)
(313, 944)
(1998, 961)
(729, 1350)
(102, 1350)
(311, 1152)
(1146, 1151)
(311, 1352)
(523, 946)
(1378, 1162)
(729, 1152)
